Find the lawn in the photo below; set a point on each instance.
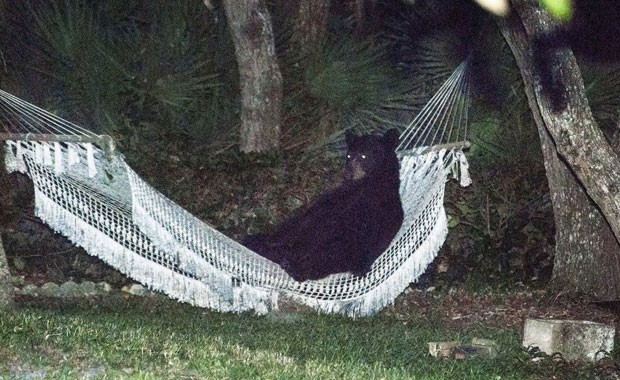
(124, 337)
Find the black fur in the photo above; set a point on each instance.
(346, 229)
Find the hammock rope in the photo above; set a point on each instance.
(444, 118)
(93, 197)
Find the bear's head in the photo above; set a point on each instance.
(369, 153)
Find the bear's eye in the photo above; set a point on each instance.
(348, 156)
(363, 156)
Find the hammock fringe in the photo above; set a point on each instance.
(95, 199)
(156, 242)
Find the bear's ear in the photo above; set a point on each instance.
(350, 137)
(390, 137)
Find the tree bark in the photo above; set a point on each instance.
(577, 138)
(309, 25)
(259, 74)
(6, 286)
(580, 164)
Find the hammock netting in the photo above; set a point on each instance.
(85, 191)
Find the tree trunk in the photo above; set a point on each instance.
(259, 74)
(362, 9)
(309, 25)
(6, 285)
(578, 160)
(577, 138)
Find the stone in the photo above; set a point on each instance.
(574, 340)
(103, 287)
(137, 290)
(49, 289)
(88, 288)
(30, 290)
(441, 349)
(480, 348)
(69, 289)
(484, 348)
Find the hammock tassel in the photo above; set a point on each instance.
(99, 203)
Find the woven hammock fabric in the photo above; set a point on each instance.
(153, 240)
(95, 199)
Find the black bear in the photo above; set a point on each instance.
(345, 229)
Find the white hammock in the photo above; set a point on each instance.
(98, 202)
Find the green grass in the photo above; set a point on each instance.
(160, 339)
